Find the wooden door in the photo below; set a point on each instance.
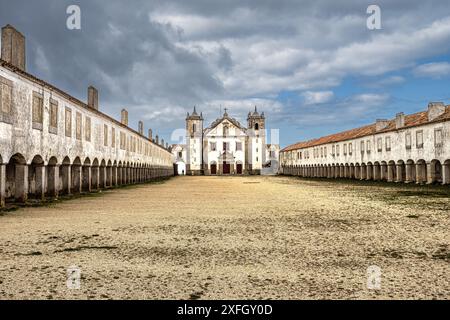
(213, 169)
(239, 168)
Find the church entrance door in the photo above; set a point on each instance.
(239, 168)
(213, 169)
(226, 168)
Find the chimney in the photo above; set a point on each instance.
(124, 117)
(381, 124)
(156, 139)
(92, 98)
(399, 120)
(13, 47)
(141, 128)
(435, 109)
(150, 134)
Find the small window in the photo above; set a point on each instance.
(87, 129)
(419, 139)
(68, 122)
(438, 138)
(380, 144)
(225, 146)
(194, 128)
(345, 149)
(113, 139)
(238, 146)
(333, 150)
(325, 151)
(5, 96)
(256, 128)
(225, 131)
(78, 126)
(180, 154)
(212, 146)
(53, 125)
(408, 140)
(388, 143)
(337, 150)
(368, 146)
(105, 136)
(38, 110)
(350, 148)
(362, 146)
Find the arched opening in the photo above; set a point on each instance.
(421, 171)
(363, 172)
(376, 171)
(95, 175)
(435, 175)
(52, 177)
(357, 171)
(86, 175)
(383, 171)
(410, 169)
(446, 172)
(16, 185)
(102, 175)
(239, 167)
(256, 126)
(65, 176)
(401, 171)
(369, 173)
(115, 174)
(76, 175)
(391, 171)
(2, 182)
(36, 178)
(109, 174)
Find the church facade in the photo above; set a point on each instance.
(225, 147)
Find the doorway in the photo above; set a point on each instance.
(213, 168)
(239, 168)
(226, 168)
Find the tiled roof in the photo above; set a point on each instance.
(411, 120)
(67, 96)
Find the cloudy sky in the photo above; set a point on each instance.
(313, 66)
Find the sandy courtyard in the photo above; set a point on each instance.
(232, 237)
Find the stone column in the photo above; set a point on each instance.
(21, 183)
(95, 175)
(383, 173)
(76, 178)
(409, 177)
(53, 181)
(376, 173)
(66, 178)
(431, 173)
(399, 177)
(2, 184)
(40, 182)
(446, 173)
(115, 176)
(87, 177)
(390, 172)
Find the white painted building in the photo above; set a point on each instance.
(227, 147)
(409, 148)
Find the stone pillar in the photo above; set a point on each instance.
(102, 181)
(369, 173)
(95, 175)
(363, 173)
(53, 180)
(383, 173)
(390, 172)
(446, 173)
(2, 184)
(115, 176)
(87, 177)
(66, 178)
(409, 171)
(431, 173)
(76, 178)
(399, 177)
(21, 183)
(40, 182)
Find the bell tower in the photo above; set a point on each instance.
(256, 141)
(194, 143)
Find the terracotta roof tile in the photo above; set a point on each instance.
(411, 120)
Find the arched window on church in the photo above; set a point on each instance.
(193, 127)
(256, 126)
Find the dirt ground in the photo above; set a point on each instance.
(232, 238)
